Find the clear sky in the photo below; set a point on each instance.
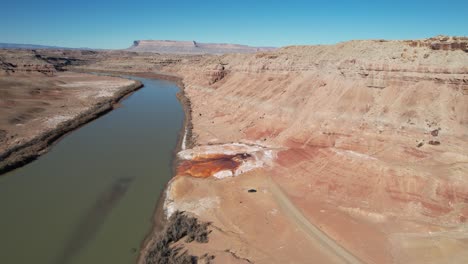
(115, 23)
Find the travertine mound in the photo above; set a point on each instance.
(191, 47)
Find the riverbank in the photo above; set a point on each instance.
(101, 182)
(185, 138)
(160, 221)
(23, 147)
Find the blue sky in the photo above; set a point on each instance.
(115, 24)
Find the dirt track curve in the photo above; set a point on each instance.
(340, 254)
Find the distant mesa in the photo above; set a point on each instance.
(192, 47)
(38, 47)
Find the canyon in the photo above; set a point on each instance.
(347, 153)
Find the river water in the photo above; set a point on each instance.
(90, 199)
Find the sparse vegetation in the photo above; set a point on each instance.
(179, 226)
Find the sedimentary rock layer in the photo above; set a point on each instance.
(357, 154)
(360, 150)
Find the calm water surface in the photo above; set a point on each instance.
(91, 198)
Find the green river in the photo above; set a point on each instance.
(90, 199)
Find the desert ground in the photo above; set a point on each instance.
(348, 153)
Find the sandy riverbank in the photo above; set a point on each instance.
(39, 110)
(160, 218)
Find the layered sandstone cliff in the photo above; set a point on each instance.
(442, 43)
(354, 152)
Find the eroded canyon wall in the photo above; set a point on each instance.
(368, 138)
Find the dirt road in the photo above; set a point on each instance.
(337, 253)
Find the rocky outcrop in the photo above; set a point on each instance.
(48, 61)
(57, 62)
(442, 43)
(23, 62)
(217, 74)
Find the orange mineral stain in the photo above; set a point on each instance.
(208, 165)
